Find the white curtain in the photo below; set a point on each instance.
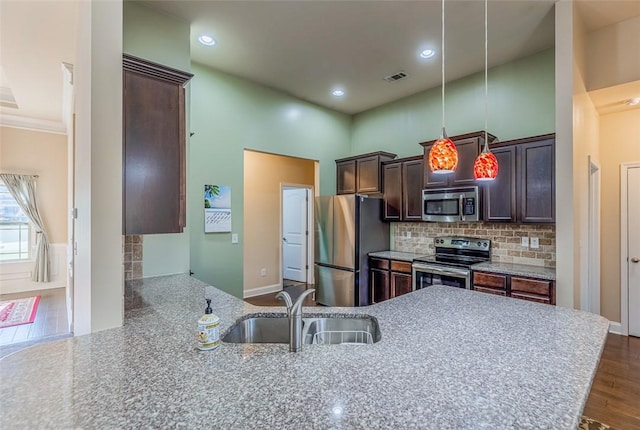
(23, 190)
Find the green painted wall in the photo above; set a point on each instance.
(229, 115)
(521, 104)
(163, 39)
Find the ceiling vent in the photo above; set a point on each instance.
(395, 77)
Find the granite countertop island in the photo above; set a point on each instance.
(448, 359)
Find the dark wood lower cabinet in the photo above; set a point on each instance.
(401, 283)
(379, 285)
(388, 279)
(519, 287)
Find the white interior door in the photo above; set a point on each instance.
(294, 234)
(633, 247)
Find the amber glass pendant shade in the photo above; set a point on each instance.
(485, 168)
(443, 157)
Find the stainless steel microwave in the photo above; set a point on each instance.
(451, 204)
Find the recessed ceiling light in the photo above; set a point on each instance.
(427, 53)
(338, 93)
(633, 101)
(207, 40)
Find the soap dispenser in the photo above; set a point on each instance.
(208, 325)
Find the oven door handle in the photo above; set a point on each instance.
(440, 271)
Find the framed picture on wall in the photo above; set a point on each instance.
(217, 208)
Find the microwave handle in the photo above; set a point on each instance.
(461, 207)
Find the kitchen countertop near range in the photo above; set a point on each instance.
(396, 255)
(448, 359)
(517, 269)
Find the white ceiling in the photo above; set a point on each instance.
(307, 48)
(302, 47)
(36, 37)
(599, 13)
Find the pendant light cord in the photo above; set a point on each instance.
(486, 81)
(443, 132)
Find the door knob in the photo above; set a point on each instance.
(284, 239)
(635, 259)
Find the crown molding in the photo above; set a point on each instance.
(34, 124)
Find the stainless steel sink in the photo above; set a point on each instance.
(259, 330)
(318, 331)
(341, 330)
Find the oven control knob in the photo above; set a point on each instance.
(485, 244)
(478, 243)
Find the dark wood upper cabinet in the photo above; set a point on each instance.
(154, 135)
(469, 146)
(392, 180)
(361, 174)
(412, 176)
(499, 195)
(524, 191)
(346, 177)
(402, 180)
(537, 181)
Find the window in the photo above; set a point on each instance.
(15, 229)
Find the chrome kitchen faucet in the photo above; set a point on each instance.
(294, 312)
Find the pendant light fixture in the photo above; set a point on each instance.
(485, 168)
(443, 157)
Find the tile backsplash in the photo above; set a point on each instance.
(506, 239)
(132, 256)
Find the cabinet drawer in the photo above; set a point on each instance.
(378, 263)
(531, 297)
(490, 290)
(490, 280)
(534, 286)
(400, 266)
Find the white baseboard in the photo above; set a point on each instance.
(262, 290)
(615, 327)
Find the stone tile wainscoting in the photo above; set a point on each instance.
(132, 256)
(506, 239)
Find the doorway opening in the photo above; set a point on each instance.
(296, 222)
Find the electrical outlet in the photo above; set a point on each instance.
(263, 271)
(535, 244)
(525, 241)
(407, 234)
(234, 238)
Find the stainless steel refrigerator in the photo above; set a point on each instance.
(347, 228)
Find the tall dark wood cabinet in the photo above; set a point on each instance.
(402, 185)
(524, 191)
(469, 146)
(154, 136)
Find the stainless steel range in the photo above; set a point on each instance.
(451, 264)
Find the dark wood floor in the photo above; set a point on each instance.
(293, 288)
(615, 393)
(51, 318)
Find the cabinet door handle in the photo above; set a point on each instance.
(635, 260)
